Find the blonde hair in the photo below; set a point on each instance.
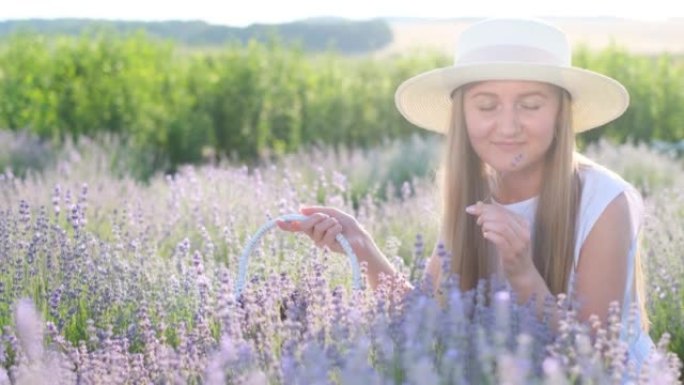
(466, 179)
(640, 289)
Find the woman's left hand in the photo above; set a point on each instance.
(511, 235)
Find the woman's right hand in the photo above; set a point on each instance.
(324, 224)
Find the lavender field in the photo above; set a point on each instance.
(105, 280)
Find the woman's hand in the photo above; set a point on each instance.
(324, 224)
(511, 235)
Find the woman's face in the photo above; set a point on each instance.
(511, 123)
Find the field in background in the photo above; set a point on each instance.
(647, 37)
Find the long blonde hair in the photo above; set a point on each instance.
(466, 179)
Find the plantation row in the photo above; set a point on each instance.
(179, 106)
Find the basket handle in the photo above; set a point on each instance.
(242, 267)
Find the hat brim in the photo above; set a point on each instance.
(425, 99)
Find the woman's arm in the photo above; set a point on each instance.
(601, 273)
(378, 264)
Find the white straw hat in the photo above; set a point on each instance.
(511, 49)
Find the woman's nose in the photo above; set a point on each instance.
(509, 122)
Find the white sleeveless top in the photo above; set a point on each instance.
(599, 187)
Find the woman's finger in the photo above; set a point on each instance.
(494, 213)
(288, 225)
(476, 209)
(507, 225)
(499, 241)
(521, 229)
(331, 234)
(308, 210)
(523, 222)
(308, 224)
(341, 216)
(501, 230)
(321, 228)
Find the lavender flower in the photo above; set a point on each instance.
(137, 288)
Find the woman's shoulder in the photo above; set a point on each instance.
(600, 187)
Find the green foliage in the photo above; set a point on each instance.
(258, 100)
(656, 87)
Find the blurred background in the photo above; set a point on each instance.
(161, 85)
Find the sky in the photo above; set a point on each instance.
(244, 12)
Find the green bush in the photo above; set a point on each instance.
(247, 102)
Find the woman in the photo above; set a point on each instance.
(519, 203)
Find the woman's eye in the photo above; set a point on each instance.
(530, 106)
(486, 107)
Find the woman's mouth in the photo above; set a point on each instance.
(508, 145)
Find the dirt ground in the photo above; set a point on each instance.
(648, 37)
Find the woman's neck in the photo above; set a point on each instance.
(512, 187)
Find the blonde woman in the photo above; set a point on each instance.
(519, 203)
